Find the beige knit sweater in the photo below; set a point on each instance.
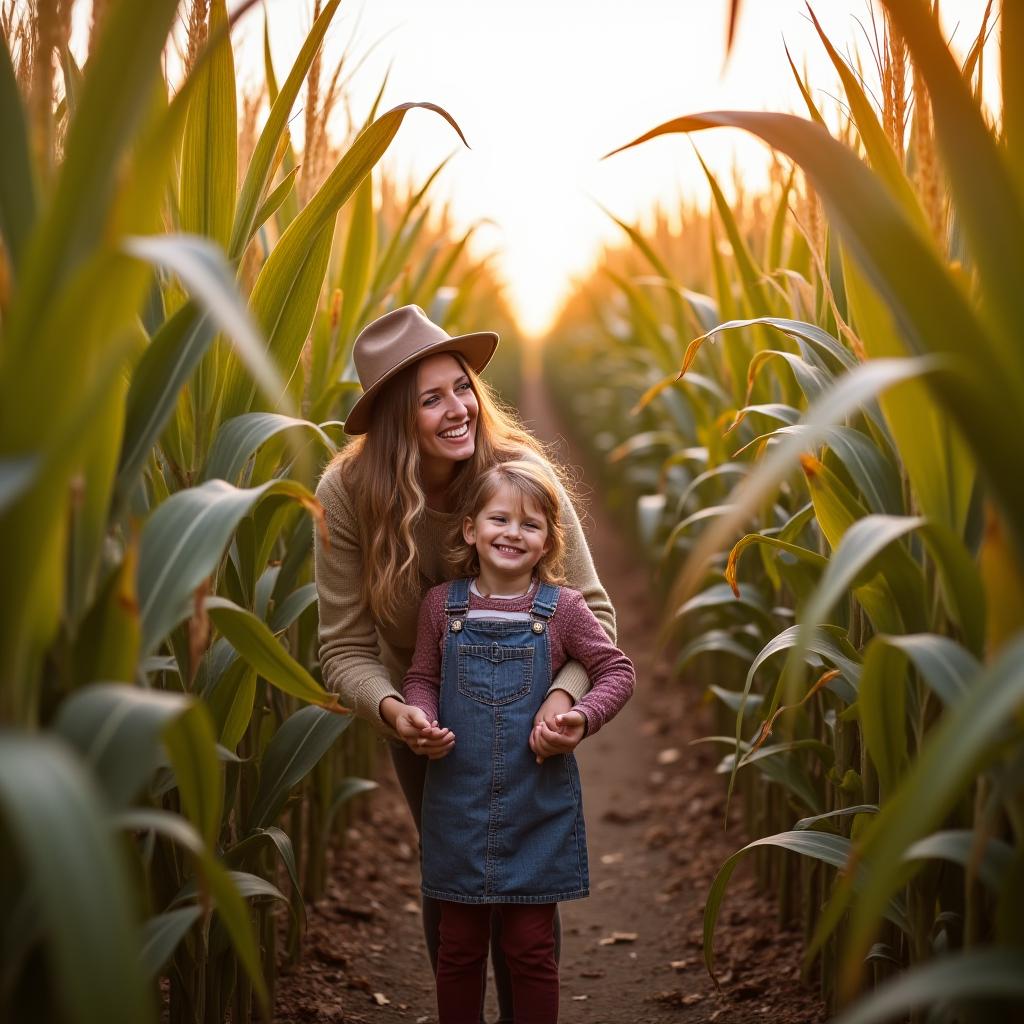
(365, 661)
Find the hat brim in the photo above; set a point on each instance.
(477, 349)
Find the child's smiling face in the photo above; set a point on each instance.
(510, 534)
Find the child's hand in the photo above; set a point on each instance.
(434, 742)
(568, 730)
(555, 703)
(422, 736)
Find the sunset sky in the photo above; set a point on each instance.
(543, 88)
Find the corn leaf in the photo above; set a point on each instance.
(183, 542)
(973, 974)
(290, 756)
(56, 819)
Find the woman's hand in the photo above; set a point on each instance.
(414, 729)
(557, 729)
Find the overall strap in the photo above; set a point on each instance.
(456, 600)
(545, 600)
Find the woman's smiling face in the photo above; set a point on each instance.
(446, 409)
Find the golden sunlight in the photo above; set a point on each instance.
(543, 89)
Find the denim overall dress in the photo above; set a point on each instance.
(497, 827)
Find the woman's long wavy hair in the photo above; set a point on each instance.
(381, 470)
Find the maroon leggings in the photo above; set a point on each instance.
(528, 941)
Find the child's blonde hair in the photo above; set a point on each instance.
(529, 482)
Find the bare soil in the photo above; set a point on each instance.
(632, 952)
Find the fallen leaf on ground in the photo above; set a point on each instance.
(679, 965)
(579, 999)
(612, 858)
(611, 940)
(380, 999)
(669, 755)
(591, 974)
(693, 997)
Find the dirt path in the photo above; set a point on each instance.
(632, 951)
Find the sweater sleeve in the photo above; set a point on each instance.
(349, 649)
(422, 684)
(581, 575)
(611, 673)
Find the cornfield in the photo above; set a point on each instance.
(807, 403)
(179, 291)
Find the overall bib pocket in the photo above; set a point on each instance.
(495, 674)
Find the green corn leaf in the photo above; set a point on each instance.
(883, 577)
(107, 644)
(254, 642)
(161, 935)
(249, 850)
(231, 698)
(944, 665)
(812, 381)
(721, 594)
(734, 699)
(990, 861)
(117, 731)
(229, 890)
(117, 89)
(993, 216)
(935, 458)
(864, 547)
(1011, 23)
(833, 850)
(202, 268)
(258, 174)
(786, 772)
(751, 275)
(348, 789)
(292, 607)
(974, 974)
(286, 292)
(238, 440)
(17, 178)
(811, 558)
(166, 366)
(956, 750)
(17, 475)
(881, 704)
(825, 642)
(56, 818)
(358, 260)
(276, 199)
(929, 305)
(841, 812)
(209, 152)
(879, 149)
(183, 542)
(291, 755)
(190, 741)
(248, 886)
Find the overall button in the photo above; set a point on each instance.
(538, 627)
(456, 625)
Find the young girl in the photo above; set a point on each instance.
(502, 814)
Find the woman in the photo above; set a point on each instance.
(423, 428)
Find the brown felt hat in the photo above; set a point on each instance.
(396, 340)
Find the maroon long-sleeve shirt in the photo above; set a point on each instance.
(573, 633)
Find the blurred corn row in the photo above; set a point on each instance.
(808, 403)
(179, 290)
